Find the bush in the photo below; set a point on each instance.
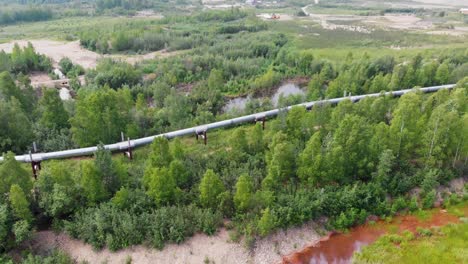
(117, 228)
(429, 199)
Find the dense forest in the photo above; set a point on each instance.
(343, 163)
(146, 99)
(334, 164)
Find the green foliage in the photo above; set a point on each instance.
(161, 186)
(16, 129)
(180, 174)
(448, 246)
(69, 69)
(12, 173)
(116, 228)
(282, 165)
(160, 155)
(211, 187)
(107, 169)
(244, 193)
(22, 231)
(350, 218)
(100, 116)
(114, 74)
(24, 60)
(9, 90)
(429, 199)
(55, 257)
(5, 226)
(19, 203)
(24, 14)
(92, 184)
(266, 224)
(57, 192)
(53, 114)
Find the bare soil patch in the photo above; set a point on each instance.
(197, 249)
(39, 77)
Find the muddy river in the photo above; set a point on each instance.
(339, 248)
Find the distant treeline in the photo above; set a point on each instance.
(28, 14)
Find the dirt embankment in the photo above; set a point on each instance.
(197, 249)
(57, 50)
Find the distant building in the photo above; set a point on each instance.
(464, 11)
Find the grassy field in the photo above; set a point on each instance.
(60, 29)
(445, 245)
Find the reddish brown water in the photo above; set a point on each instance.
(339, 248)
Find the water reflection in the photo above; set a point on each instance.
(339, 248)
(239, 104)
(285, 91)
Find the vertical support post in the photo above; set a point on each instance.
(129, 151)
(122, 136)
(201, 132)
(261, 119)
(35, 166)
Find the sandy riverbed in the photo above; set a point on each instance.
(197, 249)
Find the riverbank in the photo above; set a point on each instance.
(197, 249)
(340, 247)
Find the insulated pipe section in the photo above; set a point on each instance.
(122, 146)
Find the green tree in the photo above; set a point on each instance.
(22, 230)
(177, 149)
(107, 169)
(441, 136)
(161, 186)
(11, 173)
(57, 192)
(19, 203)
(257, 143)
(299, 124)
(384, 168)
(244, 193)
(160, 155)
(5, 225)
(180, 174)
(16, 132)
(443, 73)
(53, 114)
(211, 187)
(239, 144)
(349, 155)
(9, 90)
(92, 184)
(100, 116)
(266, 224)
(310, 162)
(65, 65)
(281, 167)
(406, 126)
